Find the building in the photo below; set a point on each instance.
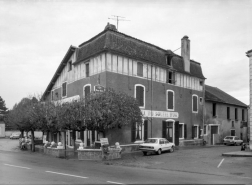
(249, 54)
(2, 126)
(225, 116)
(169, 87)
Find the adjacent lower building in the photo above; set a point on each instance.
(225, 116)
(169, 87)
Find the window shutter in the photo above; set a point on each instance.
(193, 132)
(195, 109)
(133, 132)
(170, 100)
(164, 129)
(199, 132)
(185, 131)
(145, 129)
(177, 133)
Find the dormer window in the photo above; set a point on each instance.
(140, 69)
(201, 83)
(168, 60)
(69, 65)
(170, 77)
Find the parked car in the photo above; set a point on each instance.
(157, 145)
(15, 136)
(232, 140)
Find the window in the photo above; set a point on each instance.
(228, 112)
(64, 90)
(232, 132)
(140, 69)
(201, 100)
(195, 131)
(214, 109)
(168, 60)
(140, 95)
(201, 83)
(170, 77)
(87, 90)
(69, 65)
(243, 116)
(170, 100)
(181, 130)
(232, 123)
(195, 104)
(236, 114)
(139, 131)
(87, 70)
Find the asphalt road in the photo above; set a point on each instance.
(29, 168)
(24, 167)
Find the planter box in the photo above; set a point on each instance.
(90, 154)
(60, 153)
(99, 154)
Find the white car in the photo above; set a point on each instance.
(232, 140)
(14, 136)
(157, 145)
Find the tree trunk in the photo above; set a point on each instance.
(32, 141)
(22, 133)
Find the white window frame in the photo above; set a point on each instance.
(62, 89)
(172, 100)
(84, 89)
(197, 136)
(206, 130)
(143, 94)
(196, 103)
(183, 130)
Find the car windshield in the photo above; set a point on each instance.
(150, 141)
(229, 137)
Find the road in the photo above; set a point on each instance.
(35, 168)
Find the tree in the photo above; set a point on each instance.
(111, 109)
(3, 109)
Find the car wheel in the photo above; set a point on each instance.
(159, 151)
(145, 153)
(172, 149)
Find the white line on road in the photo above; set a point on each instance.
(220, 163)
(114, 182)
(17, 166)
(67, 174)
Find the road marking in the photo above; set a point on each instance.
(220, 163)
(67, 174)
(114, 182)
(17, 166)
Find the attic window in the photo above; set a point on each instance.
(69, 65)
(140, 69)
(201, 83)
(168, 60)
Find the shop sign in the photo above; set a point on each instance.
(159, 114)
(99, 88)
(104, 141)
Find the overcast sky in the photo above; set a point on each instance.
(35, 36)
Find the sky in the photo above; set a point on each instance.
(35, 35)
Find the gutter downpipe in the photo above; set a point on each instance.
(203, 115)
(151, 97)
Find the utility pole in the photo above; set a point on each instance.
(117, 19)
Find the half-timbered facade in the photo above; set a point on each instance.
(169, 87)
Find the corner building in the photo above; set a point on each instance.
(169, 87)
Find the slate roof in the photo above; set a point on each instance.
(116, 42)
(217, 95)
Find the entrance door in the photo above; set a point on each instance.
(214, 130)
(168, 130)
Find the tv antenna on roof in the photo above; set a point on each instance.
(117, 19)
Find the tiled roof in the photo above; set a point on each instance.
(113, 41)
(217, 95)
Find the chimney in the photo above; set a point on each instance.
(185, 52)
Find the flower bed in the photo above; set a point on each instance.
(60, 153)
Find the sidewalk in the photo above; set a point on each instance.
(238, 154)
